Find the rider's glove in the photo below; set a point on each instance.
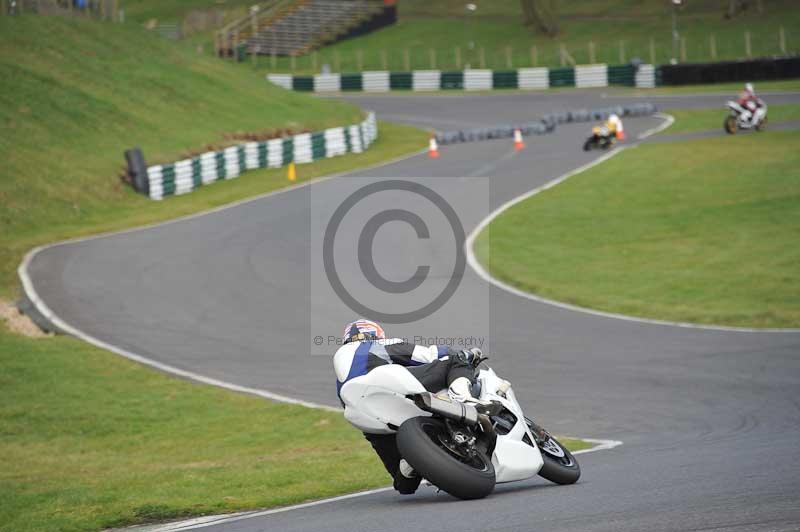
(473, 356)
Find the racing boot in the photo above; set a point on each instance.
(406, 481)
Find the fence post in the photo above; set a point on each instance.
(782, 40)
(652, 51)
(747, 50)
(534, 56)
(712, 42)
(253, 23)
(591, 52)
(406, 60)
(683, 49)
(622, 52)
(483, 57)
(458, 57)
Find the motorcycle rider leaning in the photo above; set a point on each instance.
(754, 108)
(614, 125)
(366, 347)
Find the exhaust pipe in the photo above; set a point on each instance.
(449, 409)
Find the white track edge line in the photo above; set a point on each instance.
(469, 244)
(213, 520)
(41, 306)
(668, 121)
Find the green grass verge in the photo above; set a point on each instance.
(75, 94)
(443, 26)
(711, 119)
(732, 88)
(91, 440)
(680, 231)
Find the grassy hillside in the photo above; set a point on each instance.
(678, 231)
(445, 25)
(74, 94)
(176, 10)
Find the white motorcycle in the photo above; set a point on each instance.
(741, 118)
(463, 449)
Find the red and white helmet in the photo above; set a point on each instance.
(363, 330)
(748, 88)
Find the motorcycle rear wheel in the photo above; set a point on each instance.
(730, 125)
(761, 126)
(422, 441)
(559, 464)
(588, 144)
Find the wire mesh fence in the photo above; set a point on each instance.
(689, 48)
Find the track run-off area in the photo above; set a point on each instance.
(710, 419)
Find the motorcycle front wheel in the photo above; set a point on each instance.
(425, 443)
(730, 125)
(559, 464)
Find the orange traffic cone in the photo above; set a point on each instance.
(518, 144)
(433, 148)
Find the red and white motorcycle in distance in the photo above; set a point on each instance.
(462, 448)
(741, 118)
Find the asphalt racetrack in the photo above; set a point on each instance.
(710, 419)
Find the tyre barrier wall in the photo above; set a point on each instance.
(547, 124)
(184, 176)
(472, 79)
(748, 70)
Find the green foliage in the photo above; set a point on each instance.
(701, 231)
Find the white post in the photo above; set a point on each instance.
(747, 50)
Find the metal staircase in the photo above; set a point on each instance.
(294, 27)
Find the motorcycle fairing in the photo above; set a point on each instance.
(387, 387)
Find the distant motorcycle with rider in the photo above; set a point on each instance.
(604, 136)
(748, 112)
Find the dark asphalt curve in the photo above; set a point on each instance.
(710, 419)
